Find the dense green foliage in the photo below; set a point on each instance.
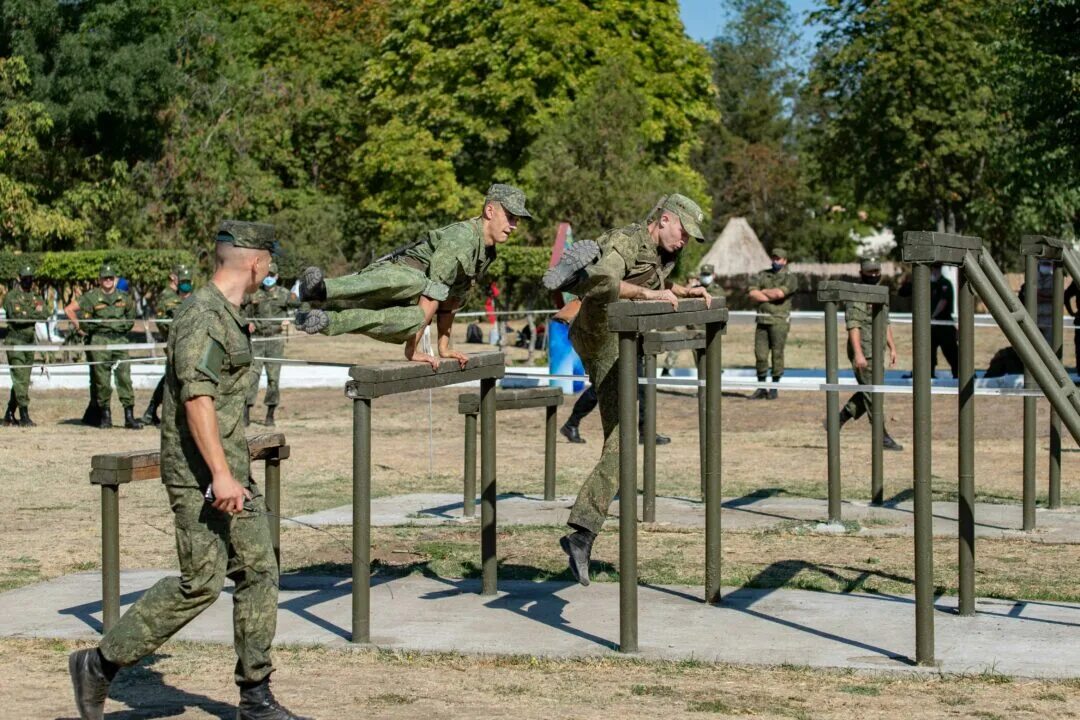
(148, 268)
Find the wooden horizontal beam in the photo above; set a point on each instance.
(513, 399)
(668, 320)
(840, 291)
(366, 390)
(396, 371)
(1041, 246)
(660, 341)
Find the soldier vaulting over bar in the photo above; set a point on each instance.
(398, 295)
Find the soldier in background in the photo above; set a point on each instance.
(23, 309)
(265, 308)
(172, 297)
(117, 309)
(942, 336)
(772, 290)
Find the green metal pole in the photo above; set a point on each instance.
(361, 539)
(966, 449)
(550, 428)
(272, 475)
(110, 555)
(469, 495)
(832, 410)
(701, 405)
(924, 540)
(649, 431)
(713, 458)
(488, 529)
(628, 608)
(1031, 304)
(1058, 337)
(877, 407)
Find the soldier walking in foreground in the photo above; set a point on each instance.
(221, 533)
(772, 290)
(265, 308)
(631, 263)
(23, 310)
(117, 311)
(172, 297)
(399, 295)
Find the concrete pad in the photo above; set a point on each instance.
(870, 632)
(743, 514)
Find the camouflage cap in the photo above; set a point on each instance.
(779, 252)
(107, 271)
(183, 272)
(869, 265)
(273, 268)
(511, 198)
(689, 213)
(241, 234)
(26, 270)
(707, 270)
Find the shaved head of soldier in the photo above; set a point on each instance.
(241, 265)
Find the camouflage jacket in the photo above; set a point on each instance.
(775, 312)
(22, 310)
(263, 305)
(96, 304)
(454, 256)
(209, 354)
(858, 315)
(167, 305)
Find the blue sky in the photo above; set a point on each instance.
(704, 18)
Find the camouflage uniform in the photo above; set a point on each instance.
(209, 355)
(167, 305)
(119, 308)
(859, 315)
(773, 321)
(260, 307)
(22, 309)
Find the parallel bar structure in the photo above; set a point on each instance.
(547, 397)
(631, 319)
(111, 470)
(832, 292)
(374, 381)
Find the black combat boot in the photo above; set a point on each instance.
(760, 393)
(105, 418)
(258, 703)
(130, 421)
(572, 262)
(24, 417)
(9, 417)
(570, 432)
(660, 439)
(312, 285)
(888, 443)
(269, 421)
(92, 414)
(247, 415)
(578, 548)
(150, 417)
(91, 675)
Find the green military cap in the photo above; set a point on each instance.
(869, 265)
(779, 252)
(183, 272)
(689, 214)
(26, 270)
(107, 270)
(241, 234)
(707, 270)
(273, 268)
(511, 198)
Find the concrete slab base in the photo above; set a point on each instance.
(870, 632)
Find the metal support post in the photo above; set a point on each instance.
(832, 410)
(648, 431)
(272, 481)
(1057, 337)
(877, 406)
(550, 428)
(924, 540)
(1031, 303)
(468, 508)
(628, 607)
(488, 494)
(700, 359)
(361, 551)
(110, 555)
(966, 449)
(713, 448)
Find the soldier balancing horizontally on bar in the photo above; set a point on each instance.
(629, 263)
(396, 297)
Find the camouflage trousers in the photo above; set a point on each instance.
(595, 496)
(20, 377)
(101, 375)
(211, 546)
(385, 294)
(770, 338)
(859, 404)
(271, 348)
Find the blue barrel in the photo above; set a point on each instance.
(562, 360)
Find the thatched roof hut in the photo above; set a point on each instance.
(737, 251)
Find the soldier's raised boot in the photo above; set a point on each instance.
(312, 321)
(258, 703)
(130, 421)
(105, 418)
(312, 285)
(90, 679)
(573, 261)
(269, 422)
(570, 432)
(578, 548)
(888, 443)
(24, 417)
(9, 417)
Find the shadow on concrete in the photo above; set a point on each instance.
(444, 511)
